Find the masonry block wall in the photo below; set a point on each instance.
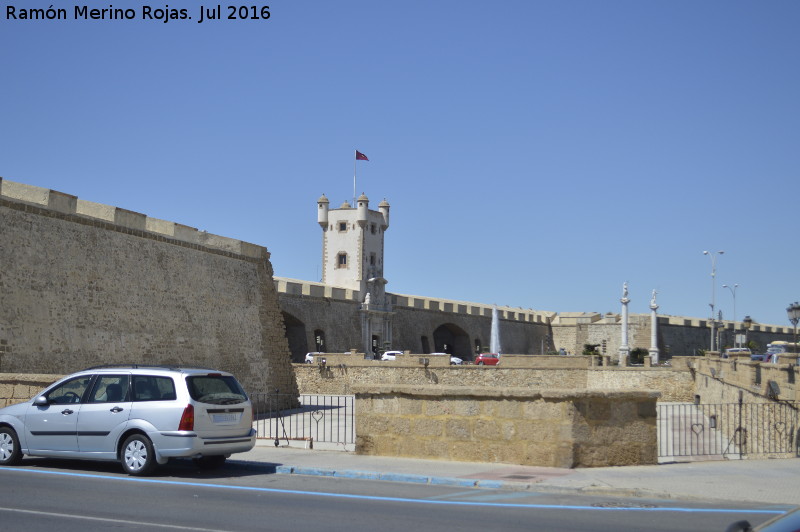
(18, 388)
(341, 379)
(516, 426)
(85, 284)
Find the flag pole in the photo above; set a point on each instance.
(355, 158)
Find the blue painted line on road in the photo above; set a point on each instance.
(387, 499)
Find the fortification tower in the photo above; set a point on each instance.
(352, 257)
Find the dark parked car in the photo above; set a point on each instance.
(788, 522)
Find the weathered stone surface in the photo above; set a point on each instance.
(79, 290)
(506, 425)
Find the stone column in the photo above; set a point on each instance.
(653, 331)
(624, 349)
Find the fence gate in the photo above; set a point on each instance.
(715, 431)
(326, 419)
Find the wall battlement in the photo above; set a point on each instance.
(67, 204)
(306, 288)
(591, 318)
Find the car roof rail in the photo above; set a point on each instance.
(133, 366)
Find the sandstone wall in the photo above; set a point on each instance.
(18, 388)
(84, 284)
(720, 380)
(511, 425)
(341, 378)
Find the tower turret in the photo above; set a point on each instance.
(363, 207)
(383, 207)
(322, 212)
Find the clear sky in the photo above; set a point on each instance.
(535, 154)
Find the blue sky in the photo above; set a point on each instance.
(536, 154)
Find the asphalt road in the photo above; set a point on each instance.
(64, 495)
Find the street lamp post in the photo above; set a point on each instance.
(713, 255)
(733, 291)
(793, 311)
(747, 322)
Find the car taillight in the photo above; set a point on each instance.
(187, 419)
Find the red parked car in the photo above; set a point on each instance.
(489, 359)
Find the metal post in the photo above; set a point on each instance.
(713, 257)
(733, 291)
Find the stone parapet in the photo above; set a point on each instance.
(286, 285)
(553, 428)
(340, 379)
(65, 204)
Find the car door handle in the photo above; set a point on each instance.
(66, 411)
(117, 409)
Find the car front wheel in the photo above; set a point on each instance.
(138, 457)
(10, 452)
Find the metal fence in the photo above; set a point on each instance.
(318, 419)
(736, 430)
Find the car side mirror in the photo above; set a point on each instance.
(41, 401)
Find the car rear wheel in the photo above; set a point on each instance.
(138, 457)
(10, 452)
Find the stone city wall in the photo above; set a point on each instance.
(336, 311)
(85, 284)
(677, 336)
(553, 428)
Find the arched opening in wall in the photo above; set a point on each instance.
(376, 344)
(426, 345)
(452, 339)
(296, 335)
(319, 341)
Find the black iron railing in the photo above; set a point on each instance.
(732, 430)
(318, 418)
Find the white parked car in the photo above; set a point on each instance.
(140, 416)
(454, 361)
(390, 355)
(310, 357)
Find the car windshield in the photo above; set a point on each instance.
(216, 389)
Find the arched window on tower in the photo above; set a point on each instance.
(341, 260)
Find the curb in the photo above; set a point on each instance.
(376, 475)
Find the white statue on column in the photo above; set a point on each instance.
(624, 349)
(653, 351)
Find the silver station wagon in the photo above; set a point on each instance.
(138, 415)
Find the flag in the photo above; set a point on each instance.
(360, 156)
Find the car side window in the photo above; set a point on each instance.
(110, 389)
(69, 392)
(152, 388)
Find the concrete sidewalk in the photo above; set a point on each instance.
(762, 481)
